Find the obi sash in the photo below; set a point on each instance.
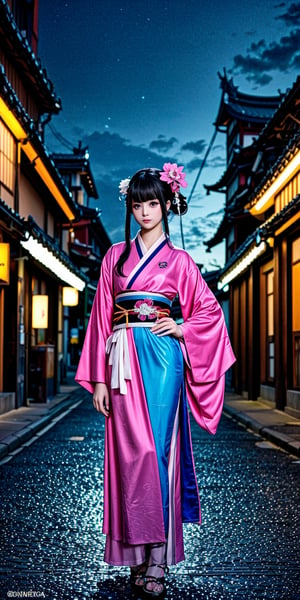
(131, 309)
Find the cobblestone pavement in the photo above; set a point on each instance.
(51, 512)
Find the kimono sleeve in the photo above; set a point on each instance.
(206, 347)
(92, 363)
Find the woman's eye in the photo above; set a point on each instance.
(136, 206)
(154, 203)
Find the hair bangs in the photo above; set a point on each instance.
(145, 188)
(145, 185)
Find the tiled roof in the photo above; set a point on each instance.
(270, 226)
(254, 111)
(292, 147)
(283, 111)
(78, 161)
(264, 231)
(30, 68)
(244, 107)
(31, 226)
(10, 216)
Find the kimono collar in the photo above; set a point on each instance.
(141, 246)
(145, 256)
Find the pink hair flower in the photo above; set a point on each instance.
(173, 175)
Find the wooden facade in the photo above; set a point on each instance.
(261, 227)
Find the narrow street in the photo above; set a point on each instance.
(51, 518)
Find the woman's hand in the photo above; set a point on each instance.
(167, 326)
(101, 399)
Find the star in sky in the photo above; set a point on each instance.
(153, 68)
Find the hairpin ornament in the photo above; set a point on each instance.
(171, 174)
(123, 187)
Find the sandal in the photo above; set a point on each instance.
(157, 581)
(137, 576)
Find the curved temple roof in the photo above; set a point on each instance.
(244, 107)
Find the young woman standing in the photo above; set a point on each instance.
(144, 371)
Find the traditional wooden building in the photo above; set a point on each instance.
(261, 228)
(36, 213)
(89, 240)
(88, 243)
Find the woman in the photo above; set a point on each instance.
(144, 370)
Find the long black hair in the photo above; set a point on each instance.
(147, 185)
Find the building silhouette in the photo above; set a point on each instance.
(261, 229)
(39, 214)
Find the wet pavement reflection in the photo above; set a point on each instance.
(51, 519)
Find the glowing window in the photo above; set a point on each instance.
(7, 158)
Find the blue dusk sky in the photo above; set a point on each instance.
(139, 86)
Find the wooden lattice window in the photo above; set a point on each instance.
(7, 158)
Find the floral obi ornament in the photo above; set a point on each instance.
(132, 310)
(173, 175)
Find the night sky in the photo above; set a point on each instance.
(139, 86)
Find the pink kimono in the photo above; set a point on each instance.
(150, 486)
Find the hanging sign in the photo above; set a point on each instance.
(4, 263)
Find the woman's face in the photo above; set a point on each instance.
(148, 214)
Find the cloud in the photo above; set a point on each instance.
(292, 14)
(195, 147)
(199, 229)
(194, 235)
(218, 147)
(162, 144)
(194, 164)
(116, 157)
(219, 213)
(217, 162)
(113, 158)
(261, 58)
(297, 62)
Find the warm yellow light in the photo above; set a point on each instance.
(51, 262)
(17, 130)
(241, 265)
(267, 199)
(11, 121)
(4, 263)
(39, 311)
(46, 177)
(70, 296)
(287, 224)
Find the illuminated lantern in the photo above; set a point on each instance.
(70, 296)
(4, 263)
(39, 311)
